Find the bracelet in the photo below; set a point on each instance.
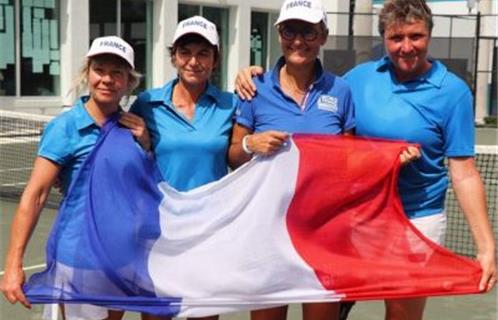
(245, 147)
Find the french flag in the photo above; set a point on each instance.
(319, 221)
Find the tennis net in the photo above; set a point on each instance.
(19, 137)
(20, 134)
(458, 237)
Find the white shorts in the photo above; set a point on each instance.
(73, 311)
(433, 227)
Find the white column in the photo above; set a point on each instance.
(74, 38)
(239, 41)
(165, 20)
(363, 23)
(337, 23)
(363, 27)
(485, 63)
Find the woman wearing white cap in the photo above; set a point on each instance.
(297, 96)
(188, 120)
(407, 95)
(108, 74)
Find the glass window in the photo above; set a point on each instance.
(103, 18)
(187, 10)
(39, 68)
(259, 39)
(275, 50)
(265, 48)
(136, 29)
(219, 16)
(40, 49)
(8, 52)
(135, 26)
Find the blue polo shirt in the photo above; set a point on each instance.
(434, 110)
(328, 108)
(68, 139)
(188, 153)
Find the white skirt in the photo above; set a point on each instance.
(433, 226)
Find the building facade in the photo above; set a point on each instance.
(44, 41)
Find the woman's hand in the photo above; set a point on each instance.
(410, 154)
(137, 127)
(244, 86)
(488, 265)
(266, 143)
(11, 286)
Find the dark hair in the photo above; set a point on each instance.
(402, 11)
(192, 38)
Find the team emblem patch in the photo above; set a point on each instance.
(327, 103)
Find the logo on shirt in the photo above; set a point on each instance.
(327, 103)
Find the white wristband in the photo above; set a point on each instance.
(245, 147)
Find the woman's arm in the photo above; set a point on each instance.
(469, 191)
(236, 155)
(32, 202)
(264, 143)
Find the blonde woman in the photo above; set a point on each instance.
(109, 75)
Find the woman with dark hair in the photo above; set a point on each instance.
(189, 120)
(187, 123)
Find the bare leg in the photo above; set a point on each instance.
(277, 313)
(111, 314)
(61, 306)
(345, 308)
(114, 315)
(321, 311)
(205, 318)
(405, 309)
(145, 316)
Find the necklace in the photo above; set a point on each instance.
(292, 87)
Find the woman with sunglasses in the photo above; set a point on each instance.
(296, 96)
(407, 95)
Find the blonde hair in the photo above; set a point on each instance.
(80, 83)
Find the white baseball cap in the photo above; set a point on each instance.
(198, 25)
(311, 11)
(112, 45)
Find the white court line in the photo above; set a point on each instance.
(16, 184)
(487, 149)
(37, 266)
(19, 140)
(16, 169)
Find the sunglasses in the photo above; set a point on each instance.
(290, 33)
